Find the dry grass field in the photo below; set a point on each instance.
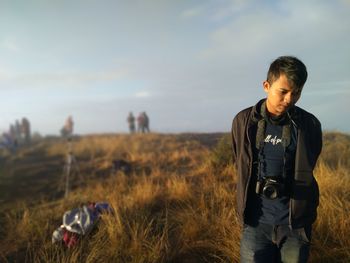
(177, 204)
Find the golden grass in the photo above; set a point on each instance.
(331, 240)
(182, 211)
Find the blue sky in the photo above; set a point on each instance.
(190, 64)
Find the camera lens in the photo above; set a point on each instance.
(270, 191)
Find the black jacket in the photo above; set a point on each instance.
(304, 189)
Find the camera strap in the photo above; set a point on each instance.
(260, 137)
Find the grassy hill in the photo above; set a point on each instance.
(177, 204)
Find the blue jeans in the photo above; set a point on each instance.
(270, 244)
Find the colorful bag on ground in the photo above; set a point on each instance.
(79, 222)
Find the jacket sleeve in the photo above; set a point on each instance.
(316, 138)
(234, 136)
(313, 138)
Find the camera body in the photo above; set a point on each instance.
(269, 187)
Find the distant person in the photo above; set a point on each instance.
(18, 132)
(69, 125)
(25, 129)
(145, 122)
(67, 130)
(13, 135)
(131, 122)
(141, 123)
(7, 142)
(275, 148)
(12, 132)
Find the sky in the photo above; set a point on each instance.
(192, 65)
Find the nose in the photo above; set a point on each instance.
(288, 98)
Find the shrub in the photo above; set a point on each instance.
(221, 156)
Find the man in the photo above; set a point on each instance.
(67, 129)
(131, 121)
(275, 149)
(25, 129)
(141, 123)
(146, 122)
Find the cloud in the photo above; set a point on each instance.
(142, 94)
(218, 10)
(288, 26)
(193, 12)
(10, 44)
(4, 75)
(50, 79)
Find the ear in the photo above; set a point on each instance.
(266, 86)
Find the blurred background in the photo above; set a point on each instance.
(190, 64)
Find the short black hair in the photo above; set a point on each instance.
(294, 70)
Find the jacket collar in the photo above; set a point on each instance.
(255, 116)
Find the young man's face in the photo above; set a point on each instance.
(280, 96)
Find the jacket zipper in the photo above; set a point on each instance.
(249, 178)
(296, 130)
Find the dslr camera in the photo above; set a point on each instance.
(269, 187)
